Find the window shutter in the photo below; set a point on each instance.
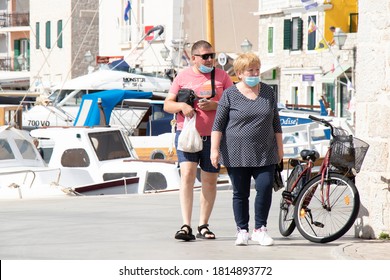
(287, 34)
(48, 35)
(59, 34)
(28, 49)
(270, 40)
(300, 33)
(16, 54)
(37, 35)
(16, 48)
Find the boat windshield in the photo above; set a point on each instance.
(5, 150)
(69, 97)
(109, 145)
(58, 95)
(26, 149)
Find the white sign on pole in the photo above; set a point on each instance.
(222, 59)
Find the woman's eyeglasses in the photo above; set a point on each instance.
(206, 56)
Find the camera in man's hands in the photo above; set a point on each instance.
(186, 95)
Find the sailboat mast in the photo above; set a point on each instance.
(210, 22)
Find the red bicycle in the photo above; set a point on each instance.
(325, 206)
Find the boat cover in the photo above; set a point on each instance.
(90, 114)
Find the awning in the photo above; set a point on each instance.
(331, 76)
(14, 78)
(301, 70)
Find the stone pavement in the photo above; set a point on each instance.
(365, 250)
(141, 227)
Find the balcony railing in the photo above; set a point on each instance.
(14, 19)
(12, 64)
(5, 64)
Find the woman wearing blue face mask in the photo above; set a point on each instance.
(248, 136)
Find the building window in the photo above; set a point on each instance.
(310, 91)
(311, 33)
(17, 66)
(353, 19)
(275, 88)
(293, 34)
(125, 30)
(294, 95)
(59, 34)
(296, 34)
(330, 96)
(48, 37)
(37, 34)
(270, 39)
(21, 54)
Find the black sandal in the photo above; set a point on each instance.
(207, 234)
(184, 234)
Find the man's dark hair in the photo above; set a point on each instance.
(199, 45)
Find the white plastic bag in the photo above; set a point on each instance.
(190, 140)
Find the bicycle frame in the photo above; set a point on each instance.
(324, 171)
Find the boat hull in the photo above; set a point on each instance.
(113, 187)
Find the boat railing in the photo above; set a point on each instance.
(34, 175)
(293, 106)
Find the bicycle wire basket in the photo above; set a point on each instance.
(348, 152)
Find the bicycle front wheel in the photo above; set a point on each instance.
(325, 212)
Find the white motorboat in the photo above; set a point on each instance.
(98, 159)
(23, 173)
(78, 161)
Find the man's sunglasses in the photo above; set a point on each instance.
(206, 56)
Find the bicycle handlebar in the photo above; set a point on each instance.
(324, 122)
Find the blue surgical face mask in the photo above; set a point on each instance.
(252, 81)
(204, 69)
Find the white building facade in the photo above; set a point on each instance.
(98, 29)
(301, 70)
(372, 117)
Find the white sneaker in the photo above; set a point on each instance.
(260, 235)
(242, 237)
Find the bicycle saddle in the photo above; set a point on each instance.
(313, 155)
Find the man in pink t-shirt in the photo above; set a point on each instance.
(198, 78)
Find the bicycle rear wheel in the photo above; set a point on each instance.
(324, 213)
(286, 218)
(286, 211)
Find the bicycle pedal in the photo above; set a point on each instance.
(318, 224)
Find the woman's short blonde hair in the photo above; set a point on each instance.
(244, 61)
